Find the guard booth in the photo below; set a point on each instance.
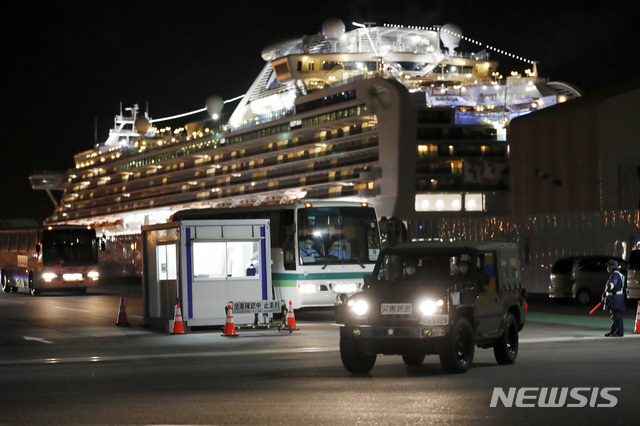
(203, 265)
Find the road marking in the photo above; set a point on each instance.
(285, 351)
(574, 338)
(71, 309)
(11, 301)
(37, 339)
(217, 354)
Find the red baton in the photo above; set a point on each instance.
(596, 307)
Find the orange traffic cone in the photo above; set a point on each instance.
(637, 329)
(122, 315)
(291, 319)
(229, 326)
(178, 325)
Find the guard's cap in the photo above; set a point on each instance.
(612, 262)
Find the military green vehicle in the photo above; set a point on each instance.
(436, 298)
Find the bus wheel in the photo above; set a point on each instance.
(32, 290)
(5, 285)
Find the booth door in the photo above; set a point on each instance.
(166, 258)
(224, 271)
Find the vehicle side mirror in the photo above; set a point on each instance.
(367, 280)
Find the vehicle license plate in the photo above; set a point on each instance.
(395, 309)
(434, 320)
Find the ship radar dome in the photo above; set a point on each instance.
(214, 106)
(141, 125)
(333, 28)
(450, 35)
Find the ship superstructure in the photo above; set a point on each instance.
(396, 116)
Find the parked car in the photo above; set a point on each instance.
(581, 278)
(436, 298)
(633, 277)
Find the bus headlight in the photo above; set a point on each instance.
(307, 288)
(429, 307)
(345, 287)
(94, 275)
(358, 307)
(49, 276)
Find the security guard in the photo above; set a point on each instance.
(613, 299)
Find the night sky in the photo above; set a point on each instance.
(67, 65)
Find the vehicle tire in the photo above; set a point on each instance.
(5, 283)
(413, 360)
(456, 353)
(506, 349)
(32, 290)
(354, 358)
(583, 297)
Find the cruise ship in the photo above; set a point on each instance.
(409, 119)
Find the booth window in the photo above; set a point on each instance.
(225, 259)
(167, 265)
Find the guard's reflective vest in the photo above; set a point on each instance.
(614, 291)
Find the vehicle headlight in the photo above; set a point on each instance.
(429, 307)
(49, 276)
(358, 307)
(93, 274)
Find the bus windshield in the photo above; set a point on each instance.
(337, 235)
(69, 247)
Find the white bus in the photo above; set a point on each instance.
(48, 258)
(319, 249)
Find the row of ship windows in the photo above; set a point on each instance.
(457, 132)
(444, 184)
(184, 182)
(467, 166)
(305, 122)
(212, 144)
(325, 149)
(325, 191)
(462, 150)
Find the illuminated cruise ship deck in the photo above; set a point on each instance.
(396, 116)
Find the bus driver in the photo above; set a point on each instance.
(308, 249)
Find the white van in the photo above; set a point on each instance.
(633, 277)
(581, 278)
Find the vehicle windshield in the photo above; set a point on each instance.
(338, 235)
(69, 247)
(439, 267)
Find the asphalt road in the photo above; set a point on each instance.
(64, 361)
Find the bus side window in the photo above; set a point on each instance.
(288, 237)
